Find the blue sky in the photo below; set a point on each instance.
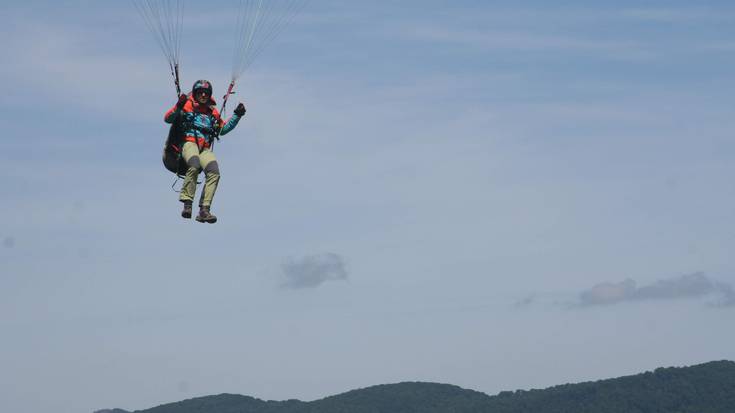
(439, 191)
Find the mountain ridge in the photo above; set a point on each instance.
(703, 388)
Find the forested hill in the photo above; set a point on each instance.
(706, 388)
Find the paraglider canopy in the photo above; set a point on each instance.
(165, 20)
(257, 25)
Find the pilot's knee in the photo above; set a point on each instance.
(212, 168)
(194, 163)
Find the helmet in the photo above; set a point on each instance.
(202, 84)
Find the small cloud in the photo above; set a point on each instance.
(9, 242)
(727, 296)
(525, 302)
(688, 286)
(608, 293)
(312, 271)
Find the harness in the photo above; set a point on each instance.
(173, 158)
(209, 133)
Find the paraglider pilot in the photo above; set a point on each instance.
(201, 123)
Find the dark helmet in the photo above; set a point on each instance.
(202, 85)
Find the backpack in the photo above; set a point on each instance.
(173, 158)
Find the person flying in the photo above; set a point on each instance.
(201, 123)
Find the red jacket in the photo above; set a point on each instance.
(200, 121)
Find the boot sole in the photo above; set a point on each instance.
(185, 215)
(208, 221)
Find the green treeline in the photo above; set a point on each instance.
(706, 388)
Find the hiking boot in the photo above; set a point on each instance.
(186, 212)
(205, 216)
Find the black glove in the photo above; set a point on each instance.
(240, 110)
(182, 101)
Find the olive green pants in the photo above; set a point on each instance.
(198, 162)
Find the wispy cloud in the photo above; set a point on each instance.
(674, 15)
(45, 52)
(520, 29)
(510, 40)
(312, 271)
(688, 286)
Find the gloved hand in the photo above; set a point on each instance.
(182, 101)
(240, 110)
